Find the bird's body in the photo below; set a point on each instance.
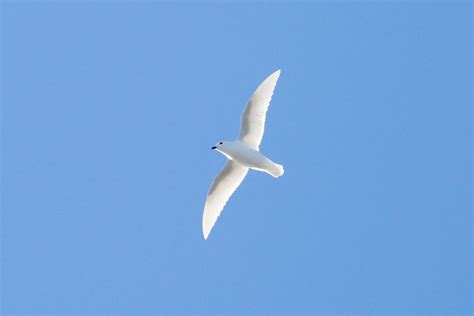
(242, 154)
(246, 156)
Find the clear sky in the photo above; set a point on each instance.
(109, 110)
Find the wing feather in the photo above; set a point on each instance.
(224, 185)
(253, 118)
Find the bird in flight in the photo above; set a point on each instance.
(242, 154)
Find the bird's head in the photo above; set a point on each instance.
(217, 145)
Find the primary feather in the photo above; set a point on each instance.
(254, 115)
(226, 182)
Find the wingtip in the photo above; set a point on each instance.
(276, 74)
(205, 233)
(273, 76)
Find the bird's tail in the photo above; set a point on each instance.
(276, 170)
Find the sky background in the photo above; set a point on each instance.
(109, 110)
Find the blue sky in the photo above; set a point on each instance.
(109, 110)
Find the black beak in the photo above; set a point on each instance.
(213, 147)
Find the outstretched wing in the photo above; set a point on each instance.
(226, 182)
(253, 118)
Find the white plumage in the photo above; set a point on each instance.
(255, 113)
(242, 154)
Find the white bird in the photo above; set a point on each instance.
(242, 154)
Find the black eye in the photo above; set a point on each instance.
(220, 143)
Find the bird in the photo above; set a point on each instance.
(242, 154)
